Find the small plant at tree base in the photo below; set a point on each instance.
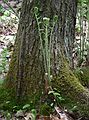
(45, 35)
(57, 97)
(34, 112)
(26, 107)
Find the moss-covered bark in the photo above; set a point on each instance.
(71, 88)
(26, 73)
(70, 84)
(83, 75)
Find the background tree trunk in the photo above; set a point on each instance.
(26, 72)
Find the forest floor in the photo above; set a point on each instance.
(31, 115)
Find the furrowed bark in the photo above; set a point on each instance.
(26, 72)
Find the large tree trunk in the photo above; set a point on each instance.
(26, 72)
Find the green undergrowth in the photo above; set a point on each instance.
(45, 106)
(8, 102)
(74, 106)
(67, 85)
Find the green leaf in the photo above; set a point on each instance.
(56, 94)
(26, 106)
(50, 92)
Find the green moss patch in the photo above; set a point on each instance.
(72, 89)
(83, 75)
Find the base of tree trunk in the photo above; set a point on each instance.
(72, 89)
